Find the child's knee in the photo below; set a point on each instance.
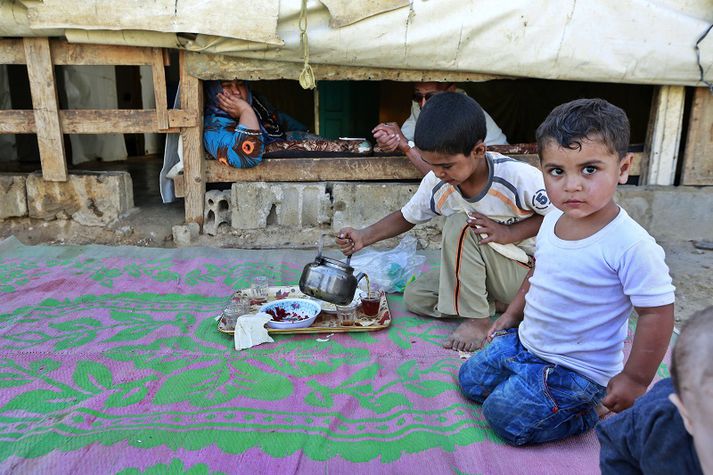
(503, 419)
(419, 300)
(472, 378)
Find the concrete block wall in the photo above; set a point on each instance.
(296, 205)
(670, 212)
(89, 198)
(304, 210)
(13, 196)
(666, 212)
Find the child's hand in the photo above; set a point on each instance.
(493, 231)
(232, 103)
(350, 241)
(504, 322)
(622, 390)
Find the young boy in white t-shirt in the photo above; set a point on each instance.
(556, 353)
(505, 199)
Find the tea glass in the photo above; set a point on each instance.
(236, 307)
(259, 288)
(370, 303)
(346, 315)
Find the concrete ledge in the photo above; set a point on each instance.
(90, 198)
(13, 196)
(670, 212)
(286, 210)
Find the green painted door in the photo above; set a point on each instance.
(348, 108)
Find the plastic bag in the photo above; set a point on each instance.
(390, 270)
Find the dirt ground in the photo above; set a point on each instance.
(150, 225)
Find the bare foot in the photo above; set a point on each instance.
(469, 335)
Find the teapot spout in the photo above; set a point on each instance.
(360, 276)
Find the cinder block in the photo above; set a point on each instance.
(288, 208)
(217, 210)
(184, 234)
(360, 204)
(296, 205)
(90, 198)
(316, 205)
(13, 196)
(251, 204)
(670, 212)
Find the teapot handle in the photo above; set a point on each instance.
(349, 258)
(319, 248)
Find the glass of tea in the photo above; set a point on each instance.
(259, 289)
(346, 315)
(370, 303)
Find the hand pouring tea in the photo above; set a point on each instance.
(330, 279)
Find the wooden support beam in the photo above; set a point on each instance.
(698, 155)
(335, 169)
(102, 121)
(46, 109)
(663, 136)
(159, 88)
(17, 122)
(63, 53)
(193, 162)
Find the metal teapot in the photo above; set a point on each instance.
(330, 279)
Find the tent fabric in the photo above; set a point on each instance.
(245, 19)
(627, 41)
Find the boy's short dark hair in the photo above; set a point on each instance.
(451, 123)
(691, 357)
(593, 119)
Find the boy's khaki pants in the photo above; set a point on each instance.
(470, 279)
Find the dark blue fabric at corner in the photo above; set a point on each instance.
(648, 438)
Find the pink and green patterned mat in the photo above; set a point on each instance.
(110, 362)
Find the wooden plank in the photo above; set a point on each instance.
(698, 155)
(124, 121)
(64, 53)
(44, 102)
(12, 51)
(179, 186)
(332, 169)
(159, 88)
(192, 137)
(103, 121)
(663, 136)
(17, 122)
(216, 66)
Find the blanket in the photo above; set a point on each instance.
(110, 362)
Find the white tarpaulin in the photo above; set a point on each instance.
(628, 41)
(247, 19)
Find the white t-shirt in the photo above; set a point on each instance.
(494, 134)
(582, 293)
(515, 191)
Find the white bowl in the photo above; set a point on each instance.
(301, 313)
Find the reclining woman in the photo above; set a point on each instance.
(239, 124)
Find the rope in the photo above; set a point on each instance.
(307, 75)
(698, 59)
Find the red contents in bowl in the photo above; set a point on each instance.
(279, 314)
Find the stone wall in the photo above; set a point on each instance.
(287, 212)
(89, 198)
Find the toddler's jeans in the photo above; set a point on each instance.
(526, 399)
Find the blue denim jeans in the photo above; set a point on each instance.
(526, 399)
